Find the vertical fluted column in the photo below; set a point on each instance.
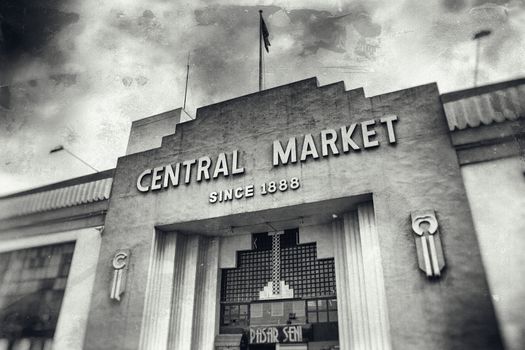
(156, 316)
(342, 285)
(359, 279)
(183, 306)
(207, 289)
(374, 283)
(181, 298)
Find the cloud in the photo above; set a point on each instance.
(86, 70)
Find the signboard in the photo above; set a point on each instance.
(276, 334)
(303, 148)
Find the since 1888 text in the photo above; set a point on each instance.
(266, 188)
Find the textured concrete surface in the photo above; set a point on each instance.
(147, 133)
(420, 171)
(496, 193)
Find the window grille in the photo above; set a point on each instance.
(300, 269)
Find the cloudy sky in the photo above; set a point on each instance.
(78, 72)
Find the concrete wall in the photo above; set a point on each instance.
(420, 171)
(322, 236)
(147, 133)
(496, 193)
(229, 247)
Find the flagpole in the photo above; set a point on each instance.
(260, 50)
(476, 66)
(187, 76)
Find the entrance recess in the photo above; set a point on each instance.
(280, 293)
(186, 307)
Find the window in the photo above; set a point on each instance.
(277, 309)
(321, 310)
(308, 276)
(298, 308)
(235, 315)
(256, 310)
(243, 284)
(32, 285)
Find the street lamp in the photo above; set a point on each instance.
(477, 37)
(62, 148)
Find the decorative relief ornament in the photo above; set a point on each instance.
(120, 266)
(276, 288)
(428, 243)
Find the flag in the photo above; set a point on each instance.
(265, 34)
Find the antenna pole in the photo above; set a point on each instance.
(187, 78)
(476, 67)
(478, 36)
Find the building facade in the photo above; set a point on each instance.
(299, 217)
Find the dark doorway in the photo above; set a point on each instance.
(262, 347)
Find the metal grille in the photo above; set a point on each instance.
(276, 263)
(252, 274)
(305, 274)
(300, 268)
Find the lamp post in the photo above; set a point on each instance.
(477, 37)
(62, 148)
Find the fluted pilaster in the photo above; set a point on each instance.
(363, 320)
(156, 318)
(207, 292)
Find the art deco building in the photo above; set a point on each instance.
(299, 217)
